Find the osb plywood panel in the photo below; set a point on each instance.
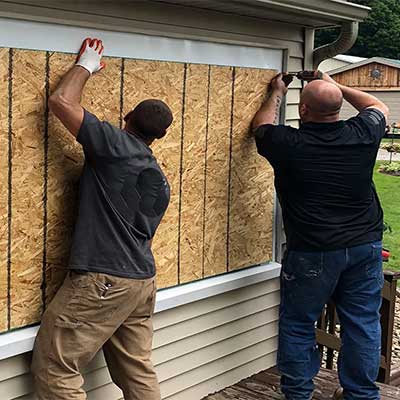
(65, 161)
(102, 93)
(156, 79)
(28, 102)
(251, 186)
(217, 171)
(221, 191)
(193, 174)
(4, 66)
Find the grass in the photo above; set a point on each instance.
(388, 188)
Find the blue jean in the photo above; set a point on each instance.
(353, 278)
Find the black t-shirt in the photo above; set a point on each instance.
(123, 197)
(323, 179)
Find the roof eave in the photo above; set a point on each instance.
(337, 10)
(310, 13)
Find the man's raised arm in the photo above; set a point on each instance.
(65, 101)
(358, 99)
(269, 111)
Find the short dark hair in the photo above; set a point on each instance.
(150, 119)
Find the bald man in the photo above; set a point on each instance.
(333, 224)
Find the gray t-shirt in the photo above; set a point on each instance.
(122, 199)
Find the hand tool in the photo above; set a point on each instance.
(302, 75)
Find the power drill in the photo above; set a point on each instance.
(303, 76)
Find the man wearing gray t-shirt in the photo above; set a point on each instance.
(107, 300)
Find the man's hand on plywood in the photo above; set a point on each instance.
(90, 54)
(278, 85)
(269, 111)
(66, 99)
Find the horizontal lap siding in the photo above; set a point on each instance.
(295, 64)
(196, 346)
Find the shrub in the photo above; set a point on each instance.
(391, 147)
(390, 168)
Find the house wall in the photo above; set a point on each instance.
(182, 248)
(234, 332)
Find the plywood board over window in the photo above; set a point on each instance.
(64, 163)
(251, 187)
(162, 80)
(221, 210)
(193, 175)
(217, 160)
(27, 183)
(4, 174)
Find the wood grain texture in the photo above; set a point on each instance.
(103, 92)
(28, 103)
(4, 103)
(65, 160)
(162, 80)
(193, 176)
(217, 171)
(251, 186)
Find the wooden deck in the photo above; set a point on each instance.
(265, 386)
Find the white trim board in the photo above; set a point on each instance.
(64, 38)
(21, 341)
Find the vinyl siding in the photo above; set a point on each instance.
(295, 64)
(198, 348)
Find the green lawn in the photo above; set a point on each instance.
(388, 188)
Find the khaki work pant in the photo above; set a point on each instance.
(93, 311)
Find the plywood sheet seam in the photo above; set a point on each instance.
(230, 170)
(45, 177)
(9, 184)
(181, 168)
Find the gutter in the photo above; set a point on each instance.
(345, 41)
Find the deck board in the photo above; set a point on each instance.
(265, 385)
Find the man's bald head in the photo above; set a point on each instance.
(320, 102)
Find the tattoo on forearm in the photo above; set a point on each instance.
(277, 108)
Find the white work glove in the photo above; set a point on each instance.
(90, 54)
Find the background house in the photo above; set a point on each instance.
(218, 250)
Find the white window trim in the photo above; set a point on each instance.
(65, 38)
(22, 340)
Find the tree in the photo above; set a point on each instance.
(379, 34)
